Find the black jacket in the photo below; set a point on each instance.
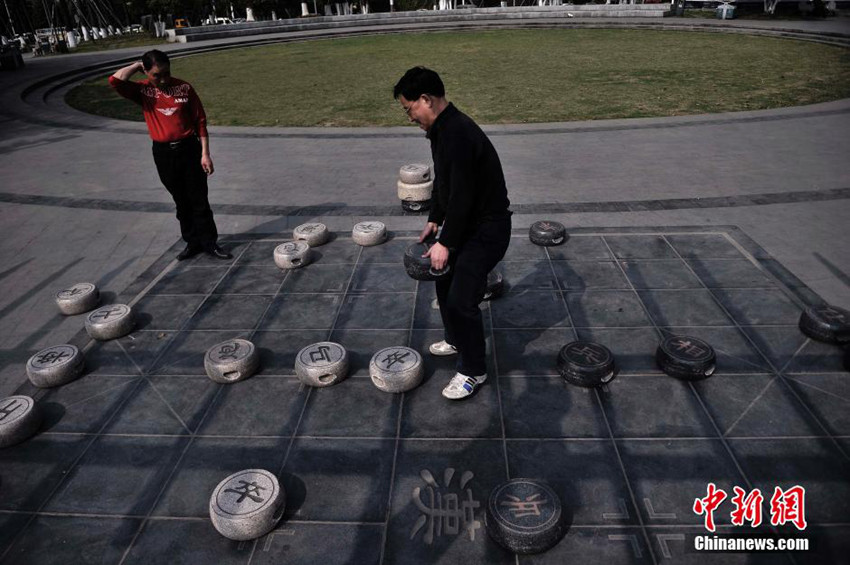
(469, 186)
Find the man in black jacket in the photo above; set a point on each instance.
(470, 202)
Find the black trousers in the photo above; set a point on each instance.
(179, 168)
(461, 291)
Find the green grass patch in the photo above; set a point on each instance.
(119, 42)
(509, 76)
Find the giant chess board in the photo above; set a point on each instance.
(129, 454)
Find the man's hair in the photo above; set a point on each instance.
(418, 81)
(154, 57)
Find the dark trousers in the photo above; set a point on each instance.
(179, 168)
(461, 291)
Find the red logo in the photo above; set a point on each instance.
(709, 504)
(747, 509)
(788, 506)
(785, 506)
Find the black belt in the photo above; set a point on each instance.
(175, 144)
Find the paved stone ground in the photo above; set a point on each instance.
(726, 225)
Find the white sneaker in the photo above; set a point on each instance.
(441, 348)
(462, 386)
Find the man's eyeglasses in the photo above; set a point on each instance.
(410, 107)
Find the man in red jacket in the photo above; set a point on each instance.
(181, 148)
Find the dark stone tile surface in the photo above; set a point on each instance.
(230, 312)
(813, 463)
(186, 280)
(520, 276)
(389, 311)
(549, 407)
(338, 479)
(165, 312)
(10, 526)
(614, 546)
(341, 544)
(579, 275)
(355, 408)
(319, 278)
(165, 405)
(29, 471)
(650, 406)
(828, 544)
(779, 345)
(828, 397)
(259, 253)
(606, 308)
(381, 278)
(730, 273)
(55, 540)
(130, 355)
(119, 475)
(640, 247)
(390, 252)
(684, 308)
(581, 248)
(340, 250)
(86, 404)
(755, 405)
(521, 249)
(183, 541)
(302, 312)
(530, 352)
(530, 309)
(704, 246)
(279, 399)
(667, 475)
(252, 279)
(816, 357)
(665, 274)
(759, 307)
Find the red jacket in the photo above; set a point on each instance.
(172, 113)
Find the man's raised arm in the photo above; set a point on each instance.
(126, 72)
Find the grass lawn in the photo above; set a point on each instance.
(508, 76)
(118, 42)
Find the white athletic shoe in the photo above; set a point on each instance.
(462, 386)
(441, 348)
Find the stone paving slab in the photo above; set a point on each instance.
(133, 448)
